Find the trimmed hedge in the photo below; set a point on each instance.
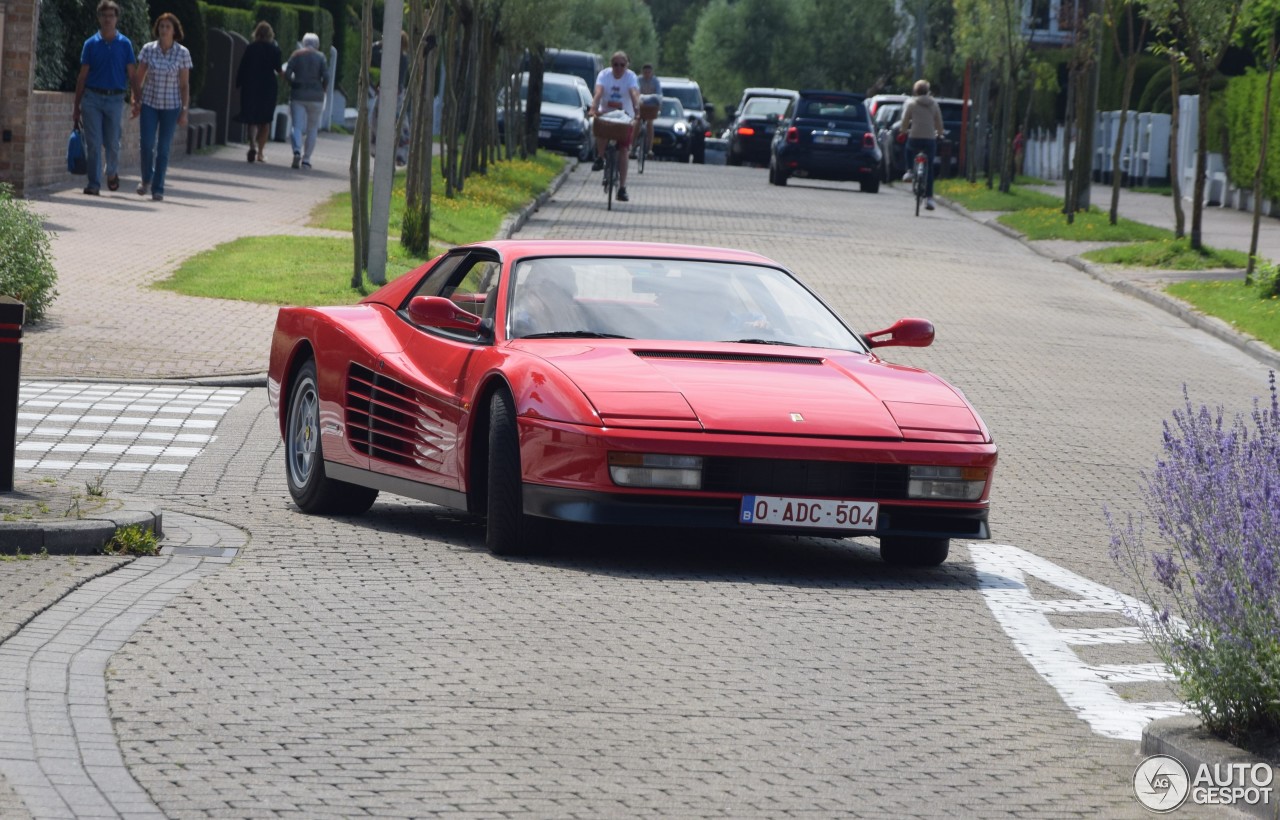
(63, 28)
(228, 18)
(283, 20)
(1244, 126)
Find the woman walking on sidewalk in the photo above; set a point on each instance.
(256, 79)
(306, 75)
(163, 74)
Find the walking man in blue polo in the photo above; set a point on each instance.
(106, 73)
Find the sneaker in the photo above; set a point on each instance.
(157, 197)
(929, 204)
(306, 165)
(143, 189)
(91, 191)
(297, 160)
(622, 195)
(906, 177)
(598, 165)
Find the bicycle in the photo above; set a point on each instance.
(920, 182)
(612, 132)
(648, 112)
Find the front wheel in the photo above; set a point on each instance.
(508, 531)
(776, 175)
(870, 186)
(906, 551)
(311, 489)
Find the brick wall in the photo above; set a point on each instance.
(50, 115)
(17, 42)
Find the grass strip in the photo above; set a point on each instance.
(309, 270)
(976, 196)
(1091, 226)
(1235, 303)
(1168, 254)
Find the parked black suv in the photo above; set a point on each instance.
(826, 135)
(696, 109)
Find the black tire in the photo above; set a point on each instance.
(870, 186)
(700, 152)
(732, 158)
(905, 551)
(508, 531)
(776, 175)
(311, 489)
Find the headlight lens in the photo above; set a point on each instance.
(947, 483)
(681, 128)
(656, 470)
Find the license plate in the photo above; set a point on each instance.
(544, 135)
(827, 139)
(824, 513)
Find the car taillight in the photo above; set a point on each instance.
(744, 131)
(901, 139)
(793, 134)
(868, 141)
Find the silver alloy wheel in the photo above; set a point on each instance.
(303, 432)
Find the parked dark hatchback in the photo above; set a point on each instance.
(754, 122)
(826, 135)
(672, 136)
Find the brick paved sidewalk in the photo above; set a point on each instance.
(107, 324)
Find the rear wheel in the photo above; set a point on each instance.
(311, 489)
(870, 186)
(905, 551)
(776, 175)
(508, 531)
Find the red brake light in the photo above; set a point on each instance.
(868, 141)
(744, 131)
(793, 134)
(901, 138)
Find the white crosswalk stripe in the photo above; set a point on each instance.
(131, 428)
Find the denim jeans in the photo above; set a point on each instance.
(100, 116)
(155, 156)
(930, 149)
(307, 112)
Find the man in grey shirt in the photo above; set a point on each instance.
(307, 78)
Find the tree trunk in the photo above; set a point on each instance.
(1175, 171)
(1202, 161)
(1130, 69)
(1260, 170)
(360, 153)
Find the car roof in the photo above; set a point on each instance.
(676, 80)
(820, 92)
(790, 93)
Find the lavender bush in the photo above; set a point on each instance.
(1213, 581)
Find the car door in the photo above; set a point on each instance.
(425, 385)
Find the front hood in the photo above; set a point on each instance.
(564, 112)
(764, 390)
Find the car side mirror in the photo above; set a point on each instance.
(439, 312)
(903, 333)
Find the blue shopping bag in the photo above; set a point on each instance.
(76, 163)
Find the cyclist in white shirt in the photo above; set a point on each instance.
(617, 89)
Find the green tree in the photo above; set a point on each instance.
(1262, 23)
(1128, 36)
(1197, 32)
(753, 43)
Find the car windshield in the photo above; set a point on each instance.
(672, 108)
(689, 96)
(764, 106)
(558, 93)
(668, 299)
(951, 112)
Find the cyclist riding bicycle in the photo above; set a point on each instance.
(922, 123)
(650, 95)
(617, 89)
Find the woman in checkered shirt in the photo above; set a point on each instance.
(164, 70)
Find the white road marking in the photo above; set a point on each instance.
(1085, 688)
(129, 428)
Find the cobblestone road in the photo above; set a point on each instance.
(387, 665)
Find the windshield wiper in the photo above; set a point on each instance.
(574, 334)
(760, 342)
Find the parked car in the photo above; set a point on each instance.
(826, 135)
(563, 125)
(672, 136)
(952, 111)
(582, 64)
(754, 120)
(697, 110)
(886, 111)
(625, 384)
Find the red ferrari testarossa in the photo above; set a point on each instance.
(623, 383)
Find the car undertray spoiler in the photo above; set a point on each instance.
(399, 486)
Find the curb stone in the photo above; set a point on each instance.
(80, 536)
(1185, 740)
(1212, 325)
